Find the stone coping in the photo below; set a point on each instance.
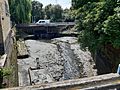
(75, 84)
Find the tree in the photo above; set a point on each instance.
(37, 11)
(69, 15)
(99, 26)
(56, 13)
(79, 3)
(48, 11)
(53, 12)
(20, 11)
(92, 18)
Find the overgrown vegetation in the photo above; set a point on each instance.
(26, 11)
(69, 15)
(20, 11)
(4, 73)
(99, 23)
(37, 11)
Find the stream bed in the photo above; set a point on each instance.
(54, 60)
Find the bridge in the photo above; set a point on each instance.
(50, 30)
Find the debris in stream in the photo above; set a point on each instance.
(56, 60)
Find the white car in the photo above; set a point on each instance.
(43, 22)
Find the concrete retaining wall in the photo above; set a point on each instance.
(4, 26)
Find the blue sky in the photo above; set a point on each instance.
(63, 3)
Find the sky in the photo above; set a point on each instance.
(63, 3)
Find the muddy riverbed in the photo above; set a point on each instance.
(57, 59)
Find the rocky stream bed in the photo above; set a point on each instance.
(57, 59)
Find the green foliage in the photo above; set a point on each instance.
(53, 12)
(4, 72)
(48, 11)
(69, 15)
(111, 27)
(56, 13)
(79, 3)
(100, 24)
(37, 11)
(20, 10)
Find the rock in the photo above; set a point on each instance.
(60, 60)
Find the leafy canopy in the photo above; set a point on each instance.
(99, 23)
(20, 11)
(37, 11)
(53, 12)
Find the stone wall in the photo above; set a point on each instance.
(11, 63)
(7, 45)
(4, 25)
(107, 59)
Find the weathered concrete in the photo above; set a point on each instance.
(102, 82)
(10, 63)
(5, 28)
(7, 45)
